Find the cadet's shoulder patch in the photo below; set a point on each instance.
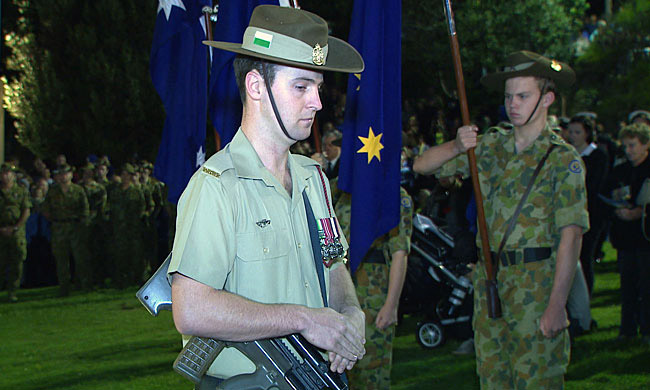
(575, 166)
(209, 171)
(406, 203)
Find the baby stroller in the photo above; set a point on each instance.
(437, 284)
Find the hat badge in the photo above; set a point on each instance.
(317, 55)
(556, 66)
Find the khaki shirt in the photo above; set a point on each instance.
(557, 199)
(238, 230)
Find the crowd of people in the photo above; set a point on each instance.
(236, 268)
(81, 228)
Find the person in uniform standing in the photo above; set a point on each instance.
(153, 200)
(243, 266)
(378, 282)
(92, 236)
(66, 206)
(14, 211)
(528, 346)
(128, 210)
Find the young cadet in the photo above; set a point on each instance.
(528, 347)
(243, 266)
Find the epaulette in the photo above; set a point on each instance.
(504, 130)
(304, 161)
(217, 164)
(557, 139)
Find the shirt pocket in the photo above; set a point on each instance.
(266, 245)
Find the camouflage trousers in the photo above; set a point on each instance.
(67, 241)
(13, 252)
(373, 371)
(511, 352)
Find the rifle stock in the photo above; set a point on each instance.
(285, 363)
(494, 304)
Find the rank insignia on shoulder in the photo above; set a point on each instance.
(263, 223)
(210, 172)
(406, 203)
(575, 166)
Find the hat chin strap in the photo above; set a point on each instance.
(275, 107)
(538, 101)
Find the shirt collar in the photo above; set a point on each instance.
(248, 164)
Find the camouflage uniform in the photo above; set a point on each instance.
(153, 199)
(94, 243)
(68, 212)
(511, 352)
(127, 210)
(13, 248)
(371, 284)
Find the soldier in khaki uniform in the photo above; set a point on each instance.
(14, 211)
(378, 282)
(528, 347)
(66, 206)
(243, 265)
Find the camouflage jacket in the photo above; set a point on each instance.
(12, 203)
(127, 205)
(398, 238)
(97, 199)
(557, 199)
(71, 206)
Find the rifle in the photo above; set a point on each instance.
(492, 294)
(283, 363)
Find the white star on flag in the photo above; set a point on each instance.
(200, 157)
(166, 5)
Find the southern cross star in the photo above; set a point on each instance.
(166, 6)
(371, 145)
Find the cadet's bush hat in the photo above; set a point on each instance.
(527, 63)
(128, 168)
(294, 37)
(103, 161)
(88, 167)
(638, 113)
(62, 169)
(586, 114)
(8, 167)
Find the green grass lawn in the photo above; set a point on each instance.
(107, 340)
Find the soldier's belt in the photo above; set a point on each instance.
(526, 255)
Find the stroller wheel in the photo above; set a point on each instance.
(430, 334)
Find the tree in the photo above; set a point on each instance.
(488, 30)
(614, 72)
(78, 79)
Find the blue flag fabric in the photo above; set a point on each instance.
(225, 104)
(179, 72)
(372, 133)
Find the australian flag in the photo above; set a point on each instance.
(372, 134)
(225, 103)
(179, 71)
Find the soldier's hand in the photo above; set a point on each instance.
(553, 321)
(466, 138)
(387, 316)
(340, 334)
